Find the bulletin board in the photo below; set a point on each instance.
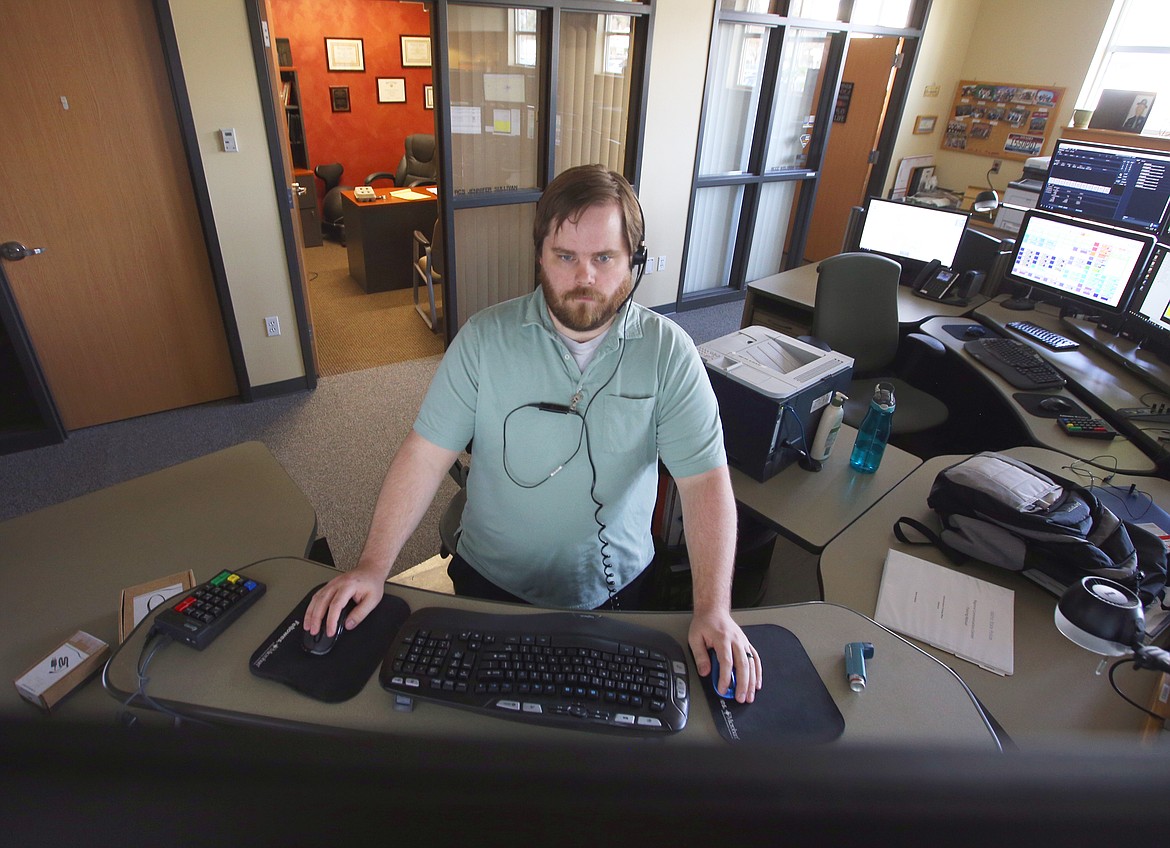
(1001, 120)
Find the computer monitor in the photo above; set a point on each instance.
(1089, 264)
(1122, 186)
(1153, 302)
(912, 235)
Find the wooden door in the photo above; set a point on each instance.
(121, 307)
(869, 66)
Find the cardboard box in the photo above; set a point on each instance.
(138, 601)
(63, 670)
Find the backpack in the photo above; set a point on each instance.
(1011, 514)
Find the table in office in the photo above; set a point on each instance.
(379, 235)
(1096, 381)
(811, 508)
(1055, 690)
(785, 302)
(911, 698)
(64, 567)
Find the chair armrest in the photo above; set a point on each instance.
(931, 345)
(379, 175)
(814, 341)
(421, 239)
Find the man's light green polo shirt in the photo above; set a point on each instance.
(554, 496)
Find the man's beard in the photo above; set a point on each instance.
(584, 316)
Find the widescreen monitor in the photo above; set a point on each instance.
(904, 231)
(1089, 264)
(1122, 186)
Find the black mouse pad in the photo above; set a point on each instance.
(959, 331)
(793, 707)
(340, 674)
(1031, 404)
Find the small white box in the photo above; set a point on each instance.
(63, 670)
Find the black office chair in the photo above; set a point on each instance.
(856, 313)
(418, 167)
(427, 270)
(332, 210)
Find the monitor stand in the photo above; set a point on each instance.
(1020, 303)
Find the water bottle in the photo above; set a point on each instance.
(875, 431)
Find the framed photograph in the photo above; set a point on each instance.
(344, 54)
(416, 51)
(429, 96)
(1122, 110)
(924, 124)
(339, 97)
(391, 89)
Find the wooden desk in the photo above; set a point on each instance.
(811, 508)
(63, 568)
(1055, 691)
(1094, 382)
(379, 235)
(785, 302)
(911, 698)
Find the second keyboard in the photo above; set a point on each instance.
(1016, 362)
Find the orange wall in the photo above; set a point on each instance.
(370, 136)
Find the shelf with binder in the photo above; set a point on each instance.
(290, 98)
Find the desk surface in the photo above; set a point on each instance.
(811, 508)
(1055, 691)
(1093, 380)
(63, 568)
(911, 697)
(798, 288)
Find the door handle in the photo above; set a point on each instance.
(14, 251)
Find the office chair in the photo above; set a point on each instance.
(428, 269)
(332, 211)
(418, 166)
(856, 313)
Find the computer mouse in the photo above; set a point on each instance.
(730, 693)
(974, 331)
(321, 644)
(1055, 404)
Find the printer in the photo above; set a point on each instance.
(772, 390)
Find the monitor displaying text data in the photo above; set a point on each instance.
(1121, 186)
(1082, 261)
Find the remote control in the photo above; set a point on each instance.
(1083, 425)
(207, 610)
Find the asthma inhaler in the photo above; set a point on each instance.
(828, 428)
(856, 653)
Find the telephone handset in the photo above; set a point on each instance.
(364, 193)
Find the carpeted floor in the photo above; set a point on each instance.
(355, 330)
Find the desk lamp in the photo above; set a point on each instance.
(1106, 618)
(986, 202)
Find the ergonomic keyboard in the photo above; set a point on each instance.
(564, 668)
(1049, 339)
(1015, 362)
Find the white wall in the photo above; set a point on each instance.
(1040, 42)
(216, 54)
(678, 70)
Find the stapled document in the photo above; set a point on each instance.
(968, 617)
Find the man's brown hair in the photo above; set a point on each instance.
(580, 188)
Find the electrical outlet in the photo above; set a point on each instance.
(995, 166)
(661, 264)
(272, 325)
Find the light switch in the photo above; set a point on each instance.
(662, 263)
(228, 137)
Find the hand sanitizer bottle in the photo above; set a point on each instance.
(828, 428)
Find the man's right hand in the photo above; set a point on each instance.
(361, 586)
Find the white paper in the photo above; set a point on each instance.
(961, 614)
(410, 194)
(144, 604)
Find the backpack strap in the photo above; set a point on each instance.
(929, 537)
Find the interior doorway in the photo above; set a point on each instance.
(351, 89)
(862, 103)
